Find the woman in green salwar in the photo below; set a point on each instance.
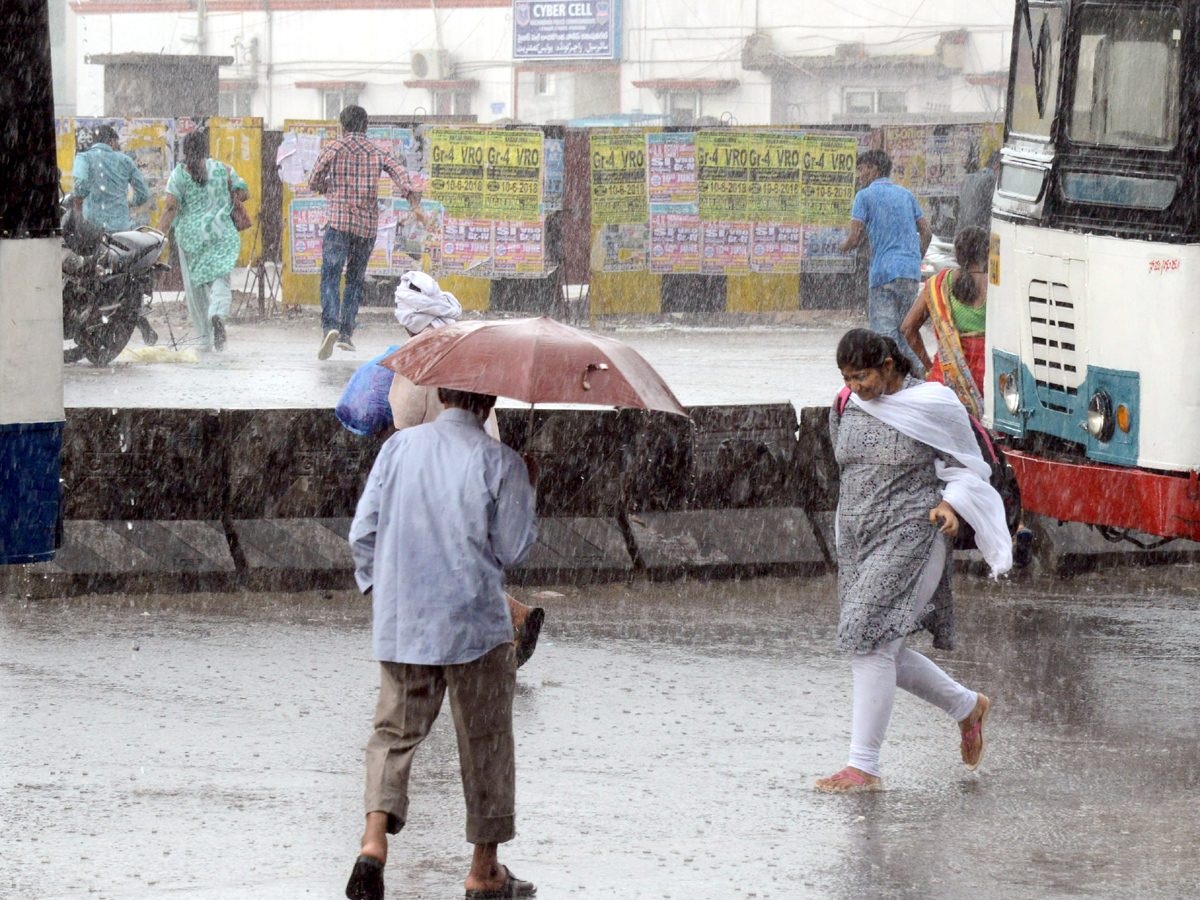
(200, 194)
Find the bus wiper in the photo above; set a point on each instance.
(1038, 53)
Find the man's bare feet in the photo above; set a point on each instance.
(374, 840)
(971, 728)
(486, 872)
(850, 780)
(493, 880)
(488, 879)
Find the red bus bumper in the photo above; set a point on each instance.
(1164, 505)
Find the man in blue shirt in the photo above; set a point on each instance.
(445, 510)
(889, 217)
(103, 177)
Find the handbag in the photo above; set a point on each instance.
(241, 218)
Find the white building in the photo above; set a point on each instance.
(749, 61)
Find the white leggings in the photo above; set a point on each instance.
(876, 676)
(879, 672)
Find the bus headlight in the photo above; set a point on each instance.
(1100, 419)
(1010, 390)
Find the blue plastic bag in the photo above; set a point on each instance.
(364, 407)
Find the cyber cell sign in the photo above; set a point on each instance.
(580, 29)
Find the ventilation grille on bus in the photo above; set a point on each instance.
(1052, 323)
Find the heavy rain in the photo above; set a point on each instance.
(505, 448)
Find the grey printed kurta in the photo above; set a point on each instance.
(885, 538)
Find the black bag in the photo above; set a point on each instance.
(1002, 477)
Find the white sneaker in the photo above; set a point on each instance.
(326, 350)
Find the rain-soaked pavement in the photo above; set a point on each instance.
(211, 747)
(272, 364)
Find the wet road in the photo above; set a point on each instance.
(273, 364)
(210, 747)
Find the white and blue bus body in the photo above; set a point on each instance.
(1093, 318)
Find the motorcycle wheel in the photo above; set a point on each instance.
(73, 354)
(104, 343)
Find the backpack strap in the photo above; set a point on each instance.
(839, 403)
(984, 440)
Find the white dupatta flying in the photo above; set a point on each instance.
(932, 414)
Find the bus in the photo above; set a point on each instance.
(1093, 314)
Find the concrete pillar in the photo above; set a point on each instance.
(31, 400)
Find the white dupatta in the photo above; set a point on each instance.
(932, 414)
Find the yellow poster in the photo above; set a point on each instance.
(151, 143)
(302, 222)
(827, 179)
(513, 181)
(618, 168)
(906, 145)
(457, 163)
(773, 164)
(238, 142)
(64, 145)
(991, 138)
(723, 175)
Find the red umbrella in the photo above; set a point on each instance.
(534, 360)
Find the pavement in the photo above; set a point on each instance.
(210, 746)
(272, 363)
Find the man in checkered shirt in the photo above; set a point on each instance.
(347, 173)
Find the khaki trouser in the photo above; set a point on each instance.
(481, 701)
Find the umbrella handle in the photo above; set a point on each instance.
(601, 367)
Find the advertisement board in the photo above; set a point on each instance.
(581, 29)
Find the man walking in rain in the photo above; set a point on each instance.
(889, 216)
(103, 177)
(347, 172)
(445, 510)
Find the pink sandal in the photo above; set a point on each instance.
(860, 784)
(972, 759)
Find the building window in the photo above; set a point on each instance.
(451, 103)
(683, 107)
(544, 84)
(235, 103)
(334, 101)
(860, 102)
(866, 102)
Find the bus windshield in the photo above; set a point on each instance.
(1127, 80)
(1038, 45)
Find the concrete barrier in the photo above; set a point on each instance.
(172, 499)
(178, 499)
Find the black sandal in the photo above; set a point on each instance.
(528, 634)
(512, 889)
(366, 881)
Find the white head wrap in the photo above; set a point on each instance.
(421, 304)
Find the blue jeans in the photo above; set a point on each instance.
(341, 249)
(887, 305)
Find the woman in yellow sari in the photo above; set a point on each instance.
(955, 301)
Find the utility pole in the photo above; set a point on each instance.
(202, 27)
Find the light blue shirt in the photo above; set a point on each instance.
(890, 214)
(445, 510)
(103, 178)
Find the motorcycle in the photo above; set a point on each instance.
(108, 281)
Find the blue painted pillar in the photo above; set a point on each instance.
(31, 400)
